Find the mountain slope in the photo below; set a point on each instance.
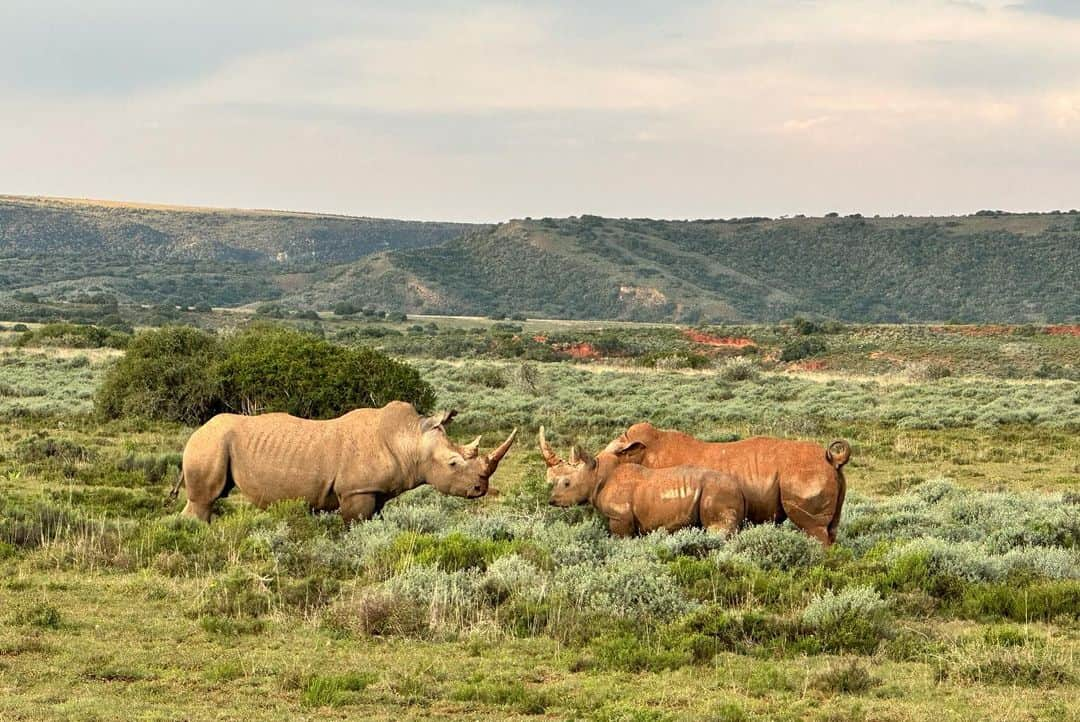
(987, 267)
(168, 253)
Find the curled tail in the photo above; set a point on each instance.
(838, 453)
(176, 488)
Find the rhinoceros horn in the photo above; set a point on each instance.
(550, 457)
(496, 456)
(472, 449)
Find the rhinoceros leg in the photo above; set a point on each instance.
(358, 507)
(206, 479)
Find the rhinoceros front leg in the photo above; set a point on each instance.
(359, 507)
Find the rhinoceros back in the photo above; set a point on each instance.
(277, 456)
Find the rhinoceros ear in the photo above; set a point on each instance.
(437, 420)
(578, 455)
(472, 449)
(621, 449)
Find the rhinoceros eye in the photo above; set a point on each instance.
(453, 462)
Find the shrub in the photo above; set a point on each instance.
(186, 375)
(501, 693)
(334, 691)
(45, 448)
(775, 547)
(513, 575)
(43, 616)
(852, 678)
(635, 587)
(166, 374)
(279, 369)
(70, 335)
(855, 619)
(444, 600)
(629, 652)
(737, 369)
(491, 377)
(1011, 666)
(801, 349)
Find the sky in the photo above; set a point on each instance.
(483, 111)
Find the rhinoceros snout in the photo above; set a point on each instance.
(478, 491)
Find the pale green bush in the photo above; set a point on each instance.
(514, 576)
(633, 587)
(775, 547)
(966, 560)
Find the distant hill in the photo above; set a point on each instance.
(156, 253)
(986, 267)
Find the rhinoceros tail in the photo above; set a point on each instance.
(176, 488)
(838, 453)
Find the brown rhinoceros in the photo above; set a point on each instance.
(781, 479)
(353, 463)
(638, 500)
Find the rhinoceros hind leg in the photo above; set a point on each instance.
(821, 533)
(358, 507)
(198, 511)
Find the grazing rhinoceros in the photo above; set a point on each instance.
(781, 479)
(638, 500)
(353, 463)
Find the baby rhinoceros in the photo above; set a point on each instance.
(638, 500)
(353, 463)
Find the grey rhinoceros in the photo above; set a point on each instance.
(353, 463)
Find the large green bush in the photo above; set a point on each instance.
(168, 374)
(187, 375)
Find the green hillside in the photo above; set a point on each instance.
(155, 254)
(987, 267)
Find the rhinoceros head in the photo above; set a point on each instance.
(572, 482)
(452, 468)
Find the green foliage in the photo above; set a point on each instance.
(629, 652)
(877, 270)
(69, 335)
(854, 619)
(801, 349)
(185, 375)
(851, 678)
(775, 547)
(513, 694)
(1008, 666)
(42, 615)
(167, 374)
(279, 369)
(334, 690)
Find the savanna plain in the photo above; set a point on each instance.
(952, 593)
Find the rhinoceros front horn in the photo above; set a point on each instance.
(550, 457)
(496, 456)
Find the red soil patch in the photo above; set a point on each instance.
(581, 351)
(885, 355)
(708, 340)
(540, 338)
(1062, 330)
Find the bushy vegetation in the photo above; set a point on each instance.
(69, 335)
(186, 375)
(943, 596)
(853, 269)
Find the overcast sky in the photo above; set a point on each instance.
(491, 110)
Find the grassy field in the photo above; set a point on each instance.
(953, 592)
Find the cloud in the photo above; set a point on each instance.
(485, 110)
